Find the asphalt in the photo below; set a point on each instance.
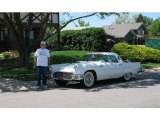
(143, 91)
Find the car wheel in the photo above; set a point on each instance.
(60, 82)
(88, 80)
(127, 76)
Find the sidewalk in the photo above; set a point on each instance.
(10, 85)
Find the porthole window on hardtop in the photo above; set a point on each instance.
(112, 59)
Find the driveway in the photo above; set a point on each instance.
(142, 91)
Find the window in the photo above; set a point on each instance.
(106, 58)
(112, 59)
(1, 36)
(31, 35)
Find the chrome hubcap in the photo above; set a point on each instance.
(89, 79)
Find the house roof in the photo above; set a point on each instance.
(121, 30)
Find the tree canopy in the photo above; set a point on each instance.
(154, 28)
(123, 18)
(145, 19)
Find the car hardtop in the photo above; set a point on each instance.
(103, 53)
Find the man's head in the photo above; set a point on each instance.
(43, 44)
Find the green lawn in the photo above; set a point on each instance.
(150, 65)
(15, 71)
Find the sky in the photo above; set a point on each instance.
(96, 22)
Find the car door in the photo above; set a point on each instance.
(116, 67)
(106, 68)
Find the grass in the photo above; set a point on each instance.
(150, 65)
(15, 71)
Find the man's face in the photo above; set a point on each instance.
(42, 46)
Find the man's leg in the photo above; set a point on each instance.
(44, 76)
(38, 75)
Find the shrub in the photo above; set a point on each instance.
(90, 39)
(14, 53)
(136, 53)
(6, 55)
(67, 56)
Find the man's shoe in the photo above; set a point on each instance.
(45, 86)
(39, 87)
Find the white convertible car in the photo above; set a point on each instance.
(96, 66)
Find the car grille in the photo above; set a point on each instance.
(61, 75)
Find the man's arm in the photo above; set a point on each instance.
(35, 62)
(49, 61)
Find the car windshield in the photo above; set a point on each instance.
(94, 57)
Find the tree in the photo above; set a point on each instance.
(145, 19)
(13, 23)
(82, 23)
(123, 18)
(154, 28)
(22, 45)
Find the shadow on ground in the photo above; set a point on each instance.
(146, 79)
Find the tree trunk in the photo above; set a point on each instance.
(24, 58)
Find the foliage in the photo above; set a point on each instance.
(82, 23)
(145, 19)
(150, 65)
(137, 53)
(123, 18)
(9, 54)
(90, 39)
(67, 56)
(6, 55)
(155, 28)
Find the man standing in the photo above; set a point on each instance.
(41, 62)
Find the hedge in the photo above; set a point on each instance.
(89, 39)
(136, 53)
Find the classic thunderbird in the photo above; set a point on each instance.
(96, 66)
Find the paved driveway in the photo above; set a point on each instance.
(142, 91)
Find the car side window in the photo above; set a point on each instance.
(112, 59)
(106, 58)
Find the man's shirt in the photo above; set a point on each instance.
(42, 57)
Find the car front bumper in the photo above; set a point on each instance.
(68, 76)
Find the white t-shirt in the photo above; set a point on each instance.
(42, 57)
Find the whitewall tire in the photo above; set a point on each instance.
(88, 80)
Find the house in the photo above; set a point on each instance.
(6, 38)
(132, 33)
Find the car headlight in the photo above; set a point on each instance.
(76, 68)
